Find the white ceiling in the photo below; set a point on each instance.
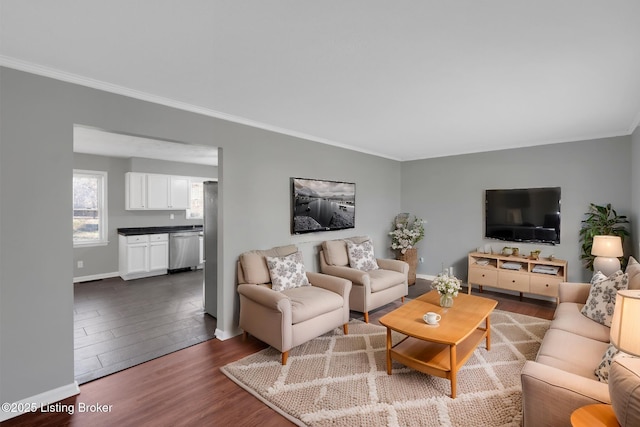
(102, 143)
(400, 79)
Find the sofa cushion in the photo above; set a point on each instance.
(568, 317)
(254, 264)
(335, 252)
(571, 353)
(380, 280)
(287, 272)
(624, 388)
(361, 256)
(309, 302)
(602, 297)
(633, 271)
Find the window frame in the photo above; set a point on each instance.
(102, 208)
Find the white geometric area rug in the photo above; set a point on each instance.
(341, 380)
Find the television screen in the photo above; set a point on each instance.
(320, 205)
(523, 215)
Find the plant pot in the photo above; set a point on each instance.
(411, 258)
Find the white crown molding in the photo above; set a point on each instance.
(29, 67)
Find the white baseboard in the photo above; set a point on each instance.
(95, 277)
(425, 276)
(223, 336)
(40, 400)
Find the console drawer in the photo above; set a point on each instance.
(513, 281)
(483, 276)
(545, 285)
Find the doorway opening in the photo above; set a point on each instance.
(120, 323)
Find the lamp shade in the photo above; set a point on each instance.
(624, 325)
(607, 246)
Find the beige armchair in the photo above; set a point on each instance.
(370, 289)
(287, 318)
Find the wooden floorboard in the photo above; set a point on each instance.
(187, 387)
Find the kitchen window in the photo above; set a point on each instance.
(89, 208)
(196, 209)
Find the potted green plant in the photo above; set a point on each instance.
(601, 221)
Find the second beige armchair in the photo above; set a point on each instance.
(375, 281)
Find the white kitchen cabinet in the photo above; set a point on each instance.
(179, 187)
(135, 190)
(158, 252)
(143, 255)
(158, 191)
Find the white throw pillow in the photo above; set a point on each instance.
(361, 256)
(287, 272)
(602, 296)
(633, 271)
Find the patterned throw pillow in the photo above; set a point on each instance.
(361, 255)
(602, 296)
(287, 272)
(602, 371)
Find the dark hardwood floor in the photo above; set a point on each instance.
(187, 387)
(119, 324)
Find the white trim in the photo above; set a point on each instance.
(29, 67)
(425, 276)
(223, 336)
(42, 399)
(95, 277)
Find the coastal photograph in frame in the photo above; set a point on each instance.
(322, 205)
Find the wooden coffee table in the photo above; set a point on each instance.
(442, 349)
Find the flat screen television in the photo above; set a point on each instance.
(523, 215)
(321, 205)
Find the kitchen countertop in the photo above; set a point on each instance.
(136, 231)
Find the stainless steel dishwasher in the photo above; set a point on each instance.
(184, 249)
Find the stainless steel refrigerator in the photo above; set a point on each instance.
(211, 248)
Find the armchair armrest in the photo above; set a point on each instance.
(335, 284)
(265, 297)
(356, 276)
(574, 292)
(393, 264)
(550, 395)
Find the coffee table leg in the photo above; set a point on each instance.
(388, 351)
(488, 324)
(454, 370)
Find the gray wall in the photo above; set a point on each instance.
(449, 193)
(36, 252)
(102, 261)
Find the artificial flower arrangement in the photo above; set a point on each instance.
(446, 285)
(406, 232)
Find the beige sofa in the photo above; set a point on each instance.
(285, 319)
(562, 377)
(371, 289)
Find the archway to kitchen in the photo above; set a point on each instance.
(127, 308)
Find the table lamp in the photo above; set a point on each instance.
(624, 375)
(607, 249)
